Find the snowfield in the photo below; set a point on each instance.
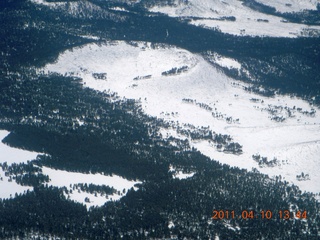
(216, 14)
(150, 73)
(58, 178)
(13, 155)
(71, 178)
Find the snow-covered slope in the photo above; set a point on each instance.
(291, 5)
(10, 155)
(245, 21)
(161, 76)
(82, 9)
(58, 178)
(13, 155)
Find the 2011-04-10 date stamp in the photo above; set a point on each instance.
(263, 214)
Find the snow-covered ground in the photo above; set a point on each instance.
(135, 71)
(224, 61)
(58, 178)
(179, 174)
(81, 9)
(291, 5)
(213, 14)
(43, 2)
(71, 178)
(12, 155)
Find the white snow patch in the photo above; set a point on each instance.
(180, 174)
(90, 37)
(60, 178)
(49, 4)
(295, 140)
(229, 226)
(80, 122)
(225, 61)
(12, 155)
(171, 224)
(121, 9)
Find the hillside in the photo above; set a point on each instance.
(159, 119)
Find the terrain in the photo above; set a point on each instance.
(138, 119)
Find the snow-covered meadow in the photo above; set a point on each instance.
(139, 70)
(59, 178)
(12, 155)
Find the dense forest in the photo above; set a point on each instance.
(116, 137)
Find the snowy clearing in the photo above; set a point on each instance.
(11, 155)
(58, 178)
(179, 174)
(294, 141)
(66, 179)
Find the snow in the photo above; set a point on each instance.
(49, 4)
(171, 224)
(81, 9)
(295, 142)
(291, 5)
(9, 189)
(121, 9)
(210, 14)
(12, 155)
(90, 37)
(229, 226)
(213, 14)
(60, 178)
(180, 174)
(225, 61)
